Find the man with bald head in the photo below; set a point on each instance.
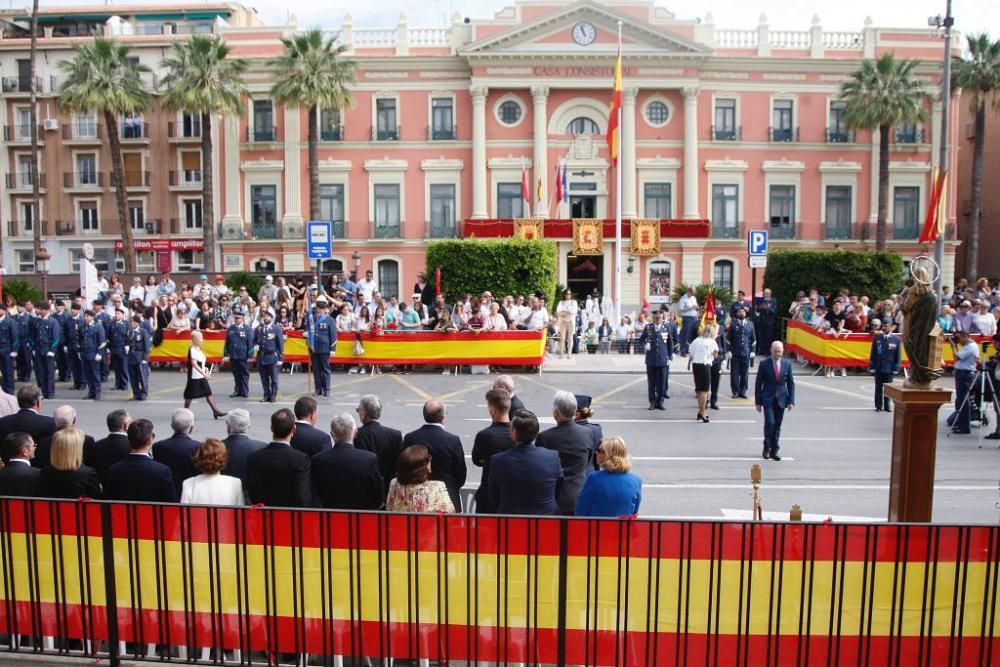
(774, 393)
(64, 417)
(448, 457)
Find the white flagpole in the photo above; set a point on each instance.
(618, 205)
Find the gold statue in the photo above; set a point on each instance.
(921, 334)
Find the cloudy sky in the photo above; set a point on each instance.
(970, 15)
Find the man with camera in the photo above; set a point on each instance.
(966, 353)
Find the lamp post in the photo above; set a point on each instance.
(946, 23)
(42, 258)
(356, 261)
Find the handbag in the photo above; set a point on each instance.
(158, 337)
(359, 348)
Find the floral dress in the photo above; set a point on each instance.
(426, 497)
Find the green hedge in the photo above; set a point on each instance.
(874, 274)
(502, 266)
(22, 290)
(238, 279)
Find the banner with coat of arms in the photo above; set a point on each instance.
(646, 238)
(588, 237)
(528, 229)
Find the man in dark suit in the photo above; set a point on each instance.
(176, 452)
(138, 477)
(19, 477)
(657, 339)
(239, 445)
(573, 444)
(29, 418)
(64, 417)
(278, 475)
(110, 450)
(525, 479)
(345, 477)
(308, 439)
(386, 443)
(445, 449)
(489, 442)
(774, 392)
(506, 383)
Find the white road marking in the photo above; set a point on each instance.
(832, 390)
(815, 487)
(845, 408)
(549, 420)
(741, 459)
(826, 439)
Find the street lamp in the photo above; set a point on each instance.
(42, 258)
(356, 260)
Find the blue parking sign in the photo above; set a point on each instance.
(757, 243)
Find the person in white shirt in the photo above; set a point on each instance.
(536, 318)
(566, 311)
(688, 307)
(367, 287)
(137, 291)
(703, 351)
(211, 487)
(983, 321)
(495, 321)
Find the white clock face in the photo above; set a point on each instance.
(584, 33)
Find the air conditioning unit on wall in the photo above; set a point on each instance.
(50, 124)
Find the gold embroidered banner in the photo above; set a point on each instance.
(528, 229)
(588, 237)
(646, 238)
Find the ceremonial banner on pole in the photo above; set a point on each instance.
(588, 237)
(646, 238)
(528, 229)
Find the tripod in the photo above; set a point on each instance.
(981, 380)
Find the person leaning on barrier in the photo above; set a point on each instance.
(278, 475)
(613, 490)
(66, 476)
(412, 490)
(574, 444)
(138, 478)
(345, 477)
(445, 447)
(384, 442)
(18, 477)
(525, 479)
(211, 487)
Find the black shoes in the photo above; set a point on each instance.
(652, 406)
(219, 414)
(714, 406)
(660, 406)
(775, 457)
(703, 418)
(766, 453)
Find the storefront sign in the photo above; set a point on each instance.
(164, 245)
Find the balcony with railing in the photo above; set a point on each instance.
(443, 230)
(264, 229)
(22, 229)
(182, 132)
(378, 230)
(783, 134)
(19, 134)
(186, 226)
(726, 133)
(839, 136)
(381, 133)
(23, 181)
(12, 85)
(910, 135)
(339, 229)
(785, 231)
(868, 231)
(449, 133)
(134, 131)
(838, 231)
(83, 132)
(262, 133)
(133, 179)
(185, 178)
(727, 230)
(334, 133)
(83, 179)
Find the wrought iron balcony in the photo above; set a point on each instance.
(20, 84)
(784, 134)
(339, 229)
(385, 230)
(381, 133)
(265, 133)
(133, 179)
(335, 133)
(83, 179)
(837, 136)
(721, 230)
(185, 177)
(448, 230)
(85, 132)
(784, 231)
(910, 135)
(727, 133)
(837, 232)
(180, 131)
(442, 133)
(25, 229)
(22, 180)
(19, 133)
(136, 131)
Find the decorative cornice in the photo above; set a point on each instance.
(385, 164)
(658, 163)
(909, 166)
(839, 167)
(386, 75)
(783, 165)
(509, 162)
(441, 164)
(330, 164)
(260, 164)
(726, 164)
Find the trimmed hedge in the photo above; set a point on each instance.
(502, 266)
(872, 274)
(238, 279)
(22, 290)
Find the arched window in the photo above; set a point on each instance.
(388, 278)
(582, 125)
(722, 274)
(264, 265)
(331, 266)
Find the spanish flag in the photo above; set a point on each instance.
(614, 136)
(936, 215)
(708, 317)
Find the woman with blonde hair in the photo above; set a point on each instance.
(211, 487)
(614, 490)
(703, 351)
(198, 376)
(66, 476)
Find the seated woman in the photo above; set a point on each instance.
(612, 491)
(66, 476)
(211, 487)
(412, 490)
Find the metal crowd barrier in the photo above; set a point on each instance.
(239, 585)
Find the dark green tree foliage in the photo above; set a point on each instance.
(720, 294)
(238, 279)
(21, 290)
(873, 274)
(501, 266)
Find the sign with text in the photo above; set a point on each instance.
(757, 243)
(164, 245)
(319, 236)
(758, 261)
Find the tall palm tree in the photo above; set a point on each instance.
(202, 78)
(314, 74)
(977, 74)
(879, 95)
(103, 78)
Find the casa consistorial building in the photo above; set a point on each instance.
(723, 131)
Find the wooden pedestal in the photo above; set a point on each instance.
(914, 444)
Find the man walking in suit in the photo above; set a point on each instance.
(573, 443)
(239, 445)
(742, 343)
(345, 477)
(308, 439)
(176, 451)
(279, 476)
(384, 442)
(237, 349)
(445, 449)
(884, 361)
(110, 450)
(774, 392)
(489, 442)
(18, 477)
(525, 479)
(138, 477)
(657, 340)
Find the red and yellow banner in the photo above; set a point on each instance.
(588, 237)
(505, 348)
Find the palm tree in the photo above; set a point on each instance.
(314, 74)
(978, 75)
(103, 78)
(880, 95)
(202, 78)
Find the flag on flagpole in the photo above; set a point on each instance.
(565, 183)
(525, 191)
(540, 195)
(614, 140)
(934, 221)
(559, 185)
(708, 317)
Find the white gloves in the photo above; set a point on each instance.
(127, 348)
(50, 354)
(13, 355)
(729, 355)
(97, 357)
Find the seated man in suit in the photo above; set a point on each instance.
(445, 449)
(239, 446)
(574, 444)
(386, 443)
(28, 419)
(64, 417)
(308, 439)
(525, 479)
(345, 477)
(138, 477)
(176, 452)
(278, 475)
(489, 442)
(19, 477)
(774, 392)
(110, 450)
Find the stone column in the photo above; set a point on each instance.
(540, 118)
(291, 223)
(480, 207)
(232, 219)
(627, 153)
(691, 153)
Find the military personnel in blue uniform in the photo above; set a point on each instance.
(741, 341)
(657, 341)
(137, 351)
(25, 321)
(118, 342)
(71, 345)
(104, 318)
(93, 343)
(270, 341)
(8, 348)
(884, 362)
(716, 370)
(766, 314)
(324, 341)
(62, 359)
(239, 350)
(47, 338)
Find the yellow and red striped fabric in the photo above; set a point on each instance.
(536, 590)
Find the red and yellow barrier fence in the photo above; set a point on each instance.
(499, 589)
(850, 351)
(504, 348)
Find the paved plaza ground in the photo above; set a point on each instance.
(835, 447)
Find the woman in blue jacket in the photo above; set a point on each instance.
(612, 491)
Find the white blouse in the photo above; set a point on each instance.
(703, 350)
(214, 489)
(197, 355)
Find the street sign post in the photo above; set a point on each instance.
(756, 256)
(319, 245)
(758, 261)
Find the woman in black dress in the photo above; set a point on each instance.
(198, 376)
(66, 476)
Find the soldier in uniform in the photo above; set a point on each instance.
(766, 311)
(238, 350)
(24, 332)
(104, 319)
(741, 341)
(47, 337)
(93, 343)
(655, 340)
(8, 348)
(62, 359)
(137, 351)
(270, 353)
(71, 345)
(118, 343)
(324, 341)
(716, 370)
(884, 361)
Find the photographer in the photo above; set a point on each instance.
(966, 359)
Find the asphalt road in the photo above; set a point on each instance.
(835, 447)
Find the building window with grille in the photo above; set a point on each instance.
(263, 120)
(725, 119)
(510, 204)
(838, 132)
(27, 216)
(191, 168)
(88, 217)
(192, 214)
(387, 210)
(388, 278)
(442, 210)
(264, 211)
(582, 126)
(781, 121)
(137, 215)
(190, 125)
(725, 211)
(838, 211)
(86, 169)
(85, 127)
(722, 274)
(442, 118)
(329, 125)
(781, 207)
(25, 261)
(657, 113)
(656, 200)
(386, 121)
(509, 112)
(331, 206)
(905, 212)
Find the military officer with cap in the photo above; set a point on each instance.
(741, 341)
(238, 350)
(8, 348)
(47, 337)
(118, 343)
(884, 361)
(25, 330)
(139, 345)
(102, 316)
(71, 345)
(657, 340)
(323, 342)
(93, 343)
(62, 316)
(270, 353)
